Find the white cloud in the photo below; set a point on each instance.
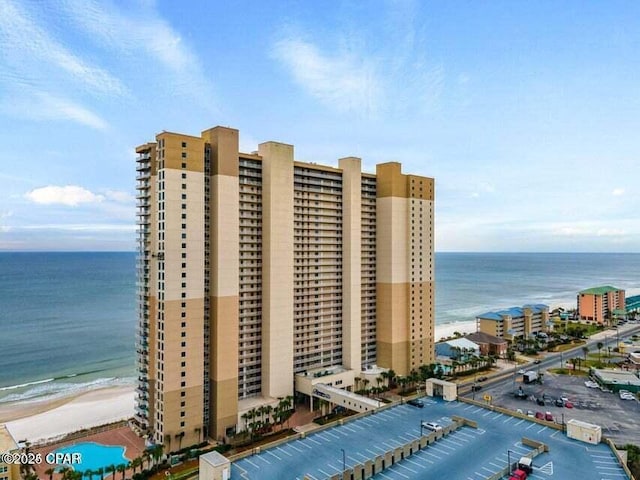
(617, 192)
(119, 196)
(70, 195)
(132, 31)
(81, 227)
(32, 51)
(343, 81)
(44, 106)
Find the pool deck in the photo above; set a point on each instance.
(122, 436)
(465, 454)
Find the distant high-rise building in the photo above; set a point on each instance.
(255, 267)
(598, 304)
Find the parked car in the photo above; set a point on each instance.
(559, 402)
(536, 361)
(540, 401)
(433, 426)
(530, 414)
(548, 417)
(521, 371)
(568, 404)
(540, 415)
(475, 388)
(482, 379)
(416, 403)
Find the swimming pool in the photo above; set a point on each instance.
(94, 456)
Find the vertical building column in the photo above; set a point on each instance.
(392, 282)
(224, 235)
(277, 269)
(352, 262)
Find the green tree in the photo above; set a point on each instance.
(599, 345)
(111, 469)
(585, 351)
(122, 468)
(50, 471)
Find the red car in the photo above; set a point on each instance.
(540, 415)
(568, 405)
(548, 417)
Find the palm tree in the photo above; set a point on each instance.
(65, 472)
(379, 380)
(180, 436)
(100, 472)
(50, 471)
(585, 350)
(111, 469)
(135, 463)
(121, 468)
(268, 409)
(392, 377)
(366, 382)
(87, 473)
(599, 345)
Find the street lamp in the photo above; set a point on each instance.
(509, 461)
(344, 463)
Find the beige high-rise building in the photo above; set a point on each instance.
(255, 268)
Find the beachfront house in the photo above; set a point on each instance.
(489, 344)
(459, 349)
(515, 322)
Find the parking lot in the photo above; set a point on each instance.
(619, 419)
(468, 453)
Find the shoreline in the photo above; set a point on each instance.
(51, 419)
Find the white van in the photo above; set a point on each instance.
(434, 427)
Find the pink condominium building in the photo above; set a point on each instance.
(254, 267)
(598, 304)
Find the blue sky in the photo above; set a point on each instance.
(526, 113)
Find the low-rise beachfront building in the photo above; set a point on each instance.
(8, 471)
(597, 304)
(515, 322)
(489, 344)
(457, 349)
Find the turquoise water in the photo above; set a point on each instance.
(95, 456)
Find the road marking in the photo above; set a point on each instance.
(250, 462)
(350, 429)
(385, 476)
(530, 426)
(263, 459)
(312, 440)
(449, 440)
(543, 428)
(413, 462)
(488, 470)
(272, 454)
(521, 420)
(324, 473)
(284, 451)
(331, 434)
(398, 473)
(547, 468)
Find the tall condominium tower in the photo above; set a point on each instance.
(255, 268)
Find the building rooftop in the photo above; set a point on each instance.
(599, 290)
(215, 459)
(618, 377)
(7, 442)
(513, 312)
(461, 343)
(632, 303)
(482, 337)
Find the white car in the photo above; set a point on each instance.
(434, 427)
(521, 371)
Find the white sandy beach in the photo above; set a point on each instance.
(87, 410)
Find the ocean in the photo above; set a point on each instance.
(67, 320)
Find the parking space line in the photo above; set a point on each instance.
(542, 429)
(439, 451)
(488, 470)
(449, 440)
(413, 462)
(349, 428)
(272, 454)
(280, 449)
(250, 462)
(400, 465)
(314, 441)
(263, 459)
(396, 472)
(332, 435)
(324, 473)
(521, 420)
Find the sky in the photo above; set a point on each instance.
(526, 113)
